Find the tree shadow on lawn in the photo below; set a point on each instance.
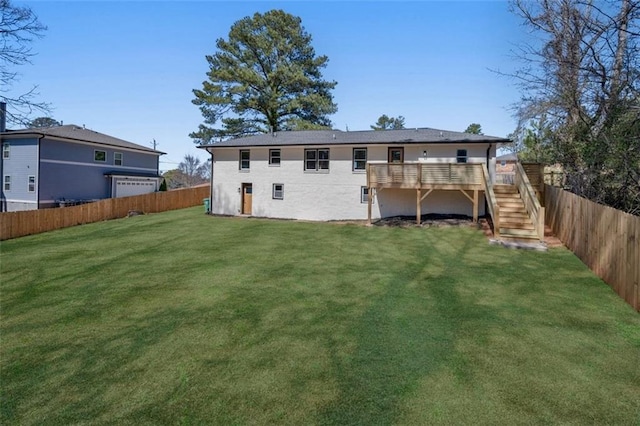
(408, 333)
(77, 378)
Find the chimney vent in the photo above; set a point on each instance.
(3, 116)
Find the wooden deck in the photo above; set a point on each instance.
(468, 178)
(447, 176)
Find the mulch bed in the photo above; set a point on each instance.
(444, 220)
(426, 221)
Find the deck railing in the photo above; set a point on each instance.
(535, 173)
(492, 202)
(531, 203)
(416, 175)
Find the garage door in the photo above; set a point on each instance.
(129, 187)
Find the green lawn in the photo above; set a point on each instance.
(181, 318)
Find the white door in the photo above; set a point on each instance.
(130, 187)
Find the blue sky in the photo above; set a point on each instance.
(127, 69)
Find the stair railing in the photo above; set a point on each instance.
(492, 202)
(531, 203)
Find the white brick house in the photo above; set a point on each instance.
(323, 175)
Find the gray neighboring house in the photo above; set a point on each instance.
(46, 167)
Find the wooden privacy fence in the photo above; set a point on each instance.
(19, 224)
(605, 239)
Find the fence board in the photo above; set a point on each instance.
(19, 224)
(605, 239)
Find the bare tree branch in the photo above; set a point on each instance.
(19, 27)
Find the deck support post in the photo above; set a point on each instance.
(475, 205)
(418, 205)
(369, 203)
(474, 200)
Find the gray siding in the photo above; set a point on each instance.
(69, 171)
(81, 153)
(65, 170)
(22, 163)
(72, 182)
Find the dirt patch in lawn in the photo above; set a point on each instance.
(426, 221)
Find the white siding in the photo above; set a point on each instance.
(332, 195)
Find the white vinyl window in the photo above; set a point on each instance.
(31, 187)
(100, 156)
(364, 194)
(278, 191)
(461, 156)
(117, 159)
(6, 150)
(274, 157)
(245, 159)
(7, 183)
(316, 159)
(359, 159)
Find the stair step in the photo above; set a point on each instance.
(513, 209)
(521, 226)
(510, 189)
(511, 204)
(513, 214)
(526, 240)
(518, 233)
(515, 219)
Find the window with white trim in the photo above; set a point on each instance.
(359, 159)
(461, 156)
(364, 194)
(274, 157)
(7, 183)
(316, 159)
(278, 191)
(31, 187)
(117, 159)
(245, 159)
(100, 156)
(6, 150)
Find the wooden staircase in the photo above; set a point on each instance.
(515, 223)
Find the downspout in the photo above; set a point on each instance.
(3, 128)
(210, 183)
(488, 159)
(491, 177)
(39, 148)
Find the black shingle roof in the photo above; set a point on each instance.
(508, 157)
(368, 137)
(73, 132)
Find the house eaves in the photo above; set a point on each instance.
(74, 133)
(366, 137)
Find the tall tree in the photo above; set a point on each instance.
(583, 78)
(389, 123)
(44, 122)
(265, 77)
(19, 26)
(474, 128)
